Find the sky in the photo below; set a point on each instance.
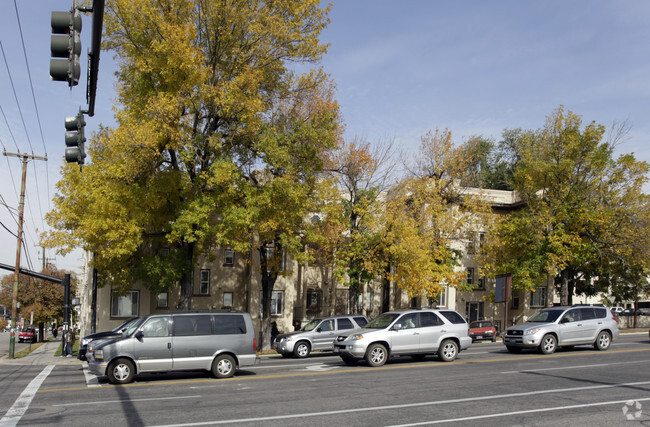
(401, 69)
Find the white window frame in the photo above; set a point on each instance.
(538, 298)
(470, 276)
(228, 298)
(277, 303)
(126, 305)
(165, 299)
(204, 282)
(228, 257)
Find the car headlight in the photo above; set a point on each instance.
(355, 337)
(288, 339)
(98, 354)
(86, 341)
(532, 331)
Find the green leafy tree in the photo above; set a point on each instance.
(215, 133)
(580, 215)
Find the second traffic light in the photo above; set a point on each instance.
(74, 139)
(66, 43)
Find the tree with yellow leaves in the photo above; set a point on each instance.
(218, 140)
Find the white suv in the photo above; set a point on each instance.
(414, 333)
(565, 327)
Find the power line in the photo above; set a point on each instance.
(13, 87)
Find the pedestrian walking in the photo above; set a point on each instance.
(55, 331)
(274, 331)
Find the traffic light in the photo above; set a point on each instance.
(66, 43)
(74, 139)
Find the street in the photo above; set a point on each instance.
(485, 386)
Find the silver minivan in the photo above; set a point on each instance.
(216, 341)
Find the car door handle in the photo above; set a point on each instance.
(169, 345)
(443, 330)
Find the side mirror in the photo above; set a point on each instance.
(397, 326)
(319, 329)
(139, 335)
(565, 320)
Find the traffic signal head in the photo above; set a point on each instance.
(66, 43)
(74, 139)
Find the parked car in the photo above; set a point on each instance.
(213, 341)
(415, 333)
(114, 333)
(564, 327)
(317, 335)
(27, 334)
(482, 330)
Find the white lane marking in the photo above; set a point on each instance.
(103, 402)
(320, 368)
(529, 411)
(91, 379)
(408, 405)
(573, 367)
(18, 409)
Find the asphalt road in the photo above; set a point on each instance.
(485, 386)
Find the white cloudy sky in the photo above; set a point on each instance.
(401, 67)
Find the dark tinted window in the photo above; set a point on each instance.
(428, 318)
(326, 325)
(361, 321)
(601, 313)
(572, 315)
(587, 313)
(453, 317)
(189, 325)
(229, 324)
(345, 324)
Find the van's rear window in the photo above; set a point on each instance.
(229, 324)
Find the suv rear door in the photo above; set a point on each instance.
(432, 328)
(323, 336)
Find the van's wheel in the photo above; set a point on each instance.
(302, 350)
(603, 341)
(223, 366)
(548, 344)
(376, 355)
(448, 351)
(121, 371)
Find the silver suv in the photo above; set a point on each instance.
(565, 327)
(414, 333)
(318, 334)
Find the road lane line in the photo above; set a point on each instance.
(529, 411)
(104, 402)
(18, 409)
(409, 405)
(564, 368)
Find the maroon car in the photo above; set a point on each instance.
(28, 334)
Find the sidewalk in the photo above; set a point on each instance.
(44, 355)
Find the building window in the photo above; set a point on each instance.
(474, 311)
(515, 301)
(442, 298)
(314, 299)
(164, 252)
(470, 276)
(480, 284)
(368, 300)
(538, 298)
(228, 257)
(162, 300)
(272, 260)
(227, 299)
(277, 303)
(125, 305)
(204, 285)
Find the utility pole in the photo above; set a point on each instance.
(14, 303)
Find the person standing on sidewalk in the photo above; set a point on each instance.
(69, 342)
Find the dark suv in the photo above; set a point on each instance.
(564, 327)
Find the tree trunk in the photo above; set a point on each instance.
(185, 303)
(564, 287)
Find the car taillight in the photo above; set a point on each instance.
(615, 319)
(254, 344)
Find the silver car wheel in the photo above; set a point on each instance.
(302, 349)
(223, 366)
(448, 351)
(548, 344)
(121, 372)
(377, 355)
(603, 341)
